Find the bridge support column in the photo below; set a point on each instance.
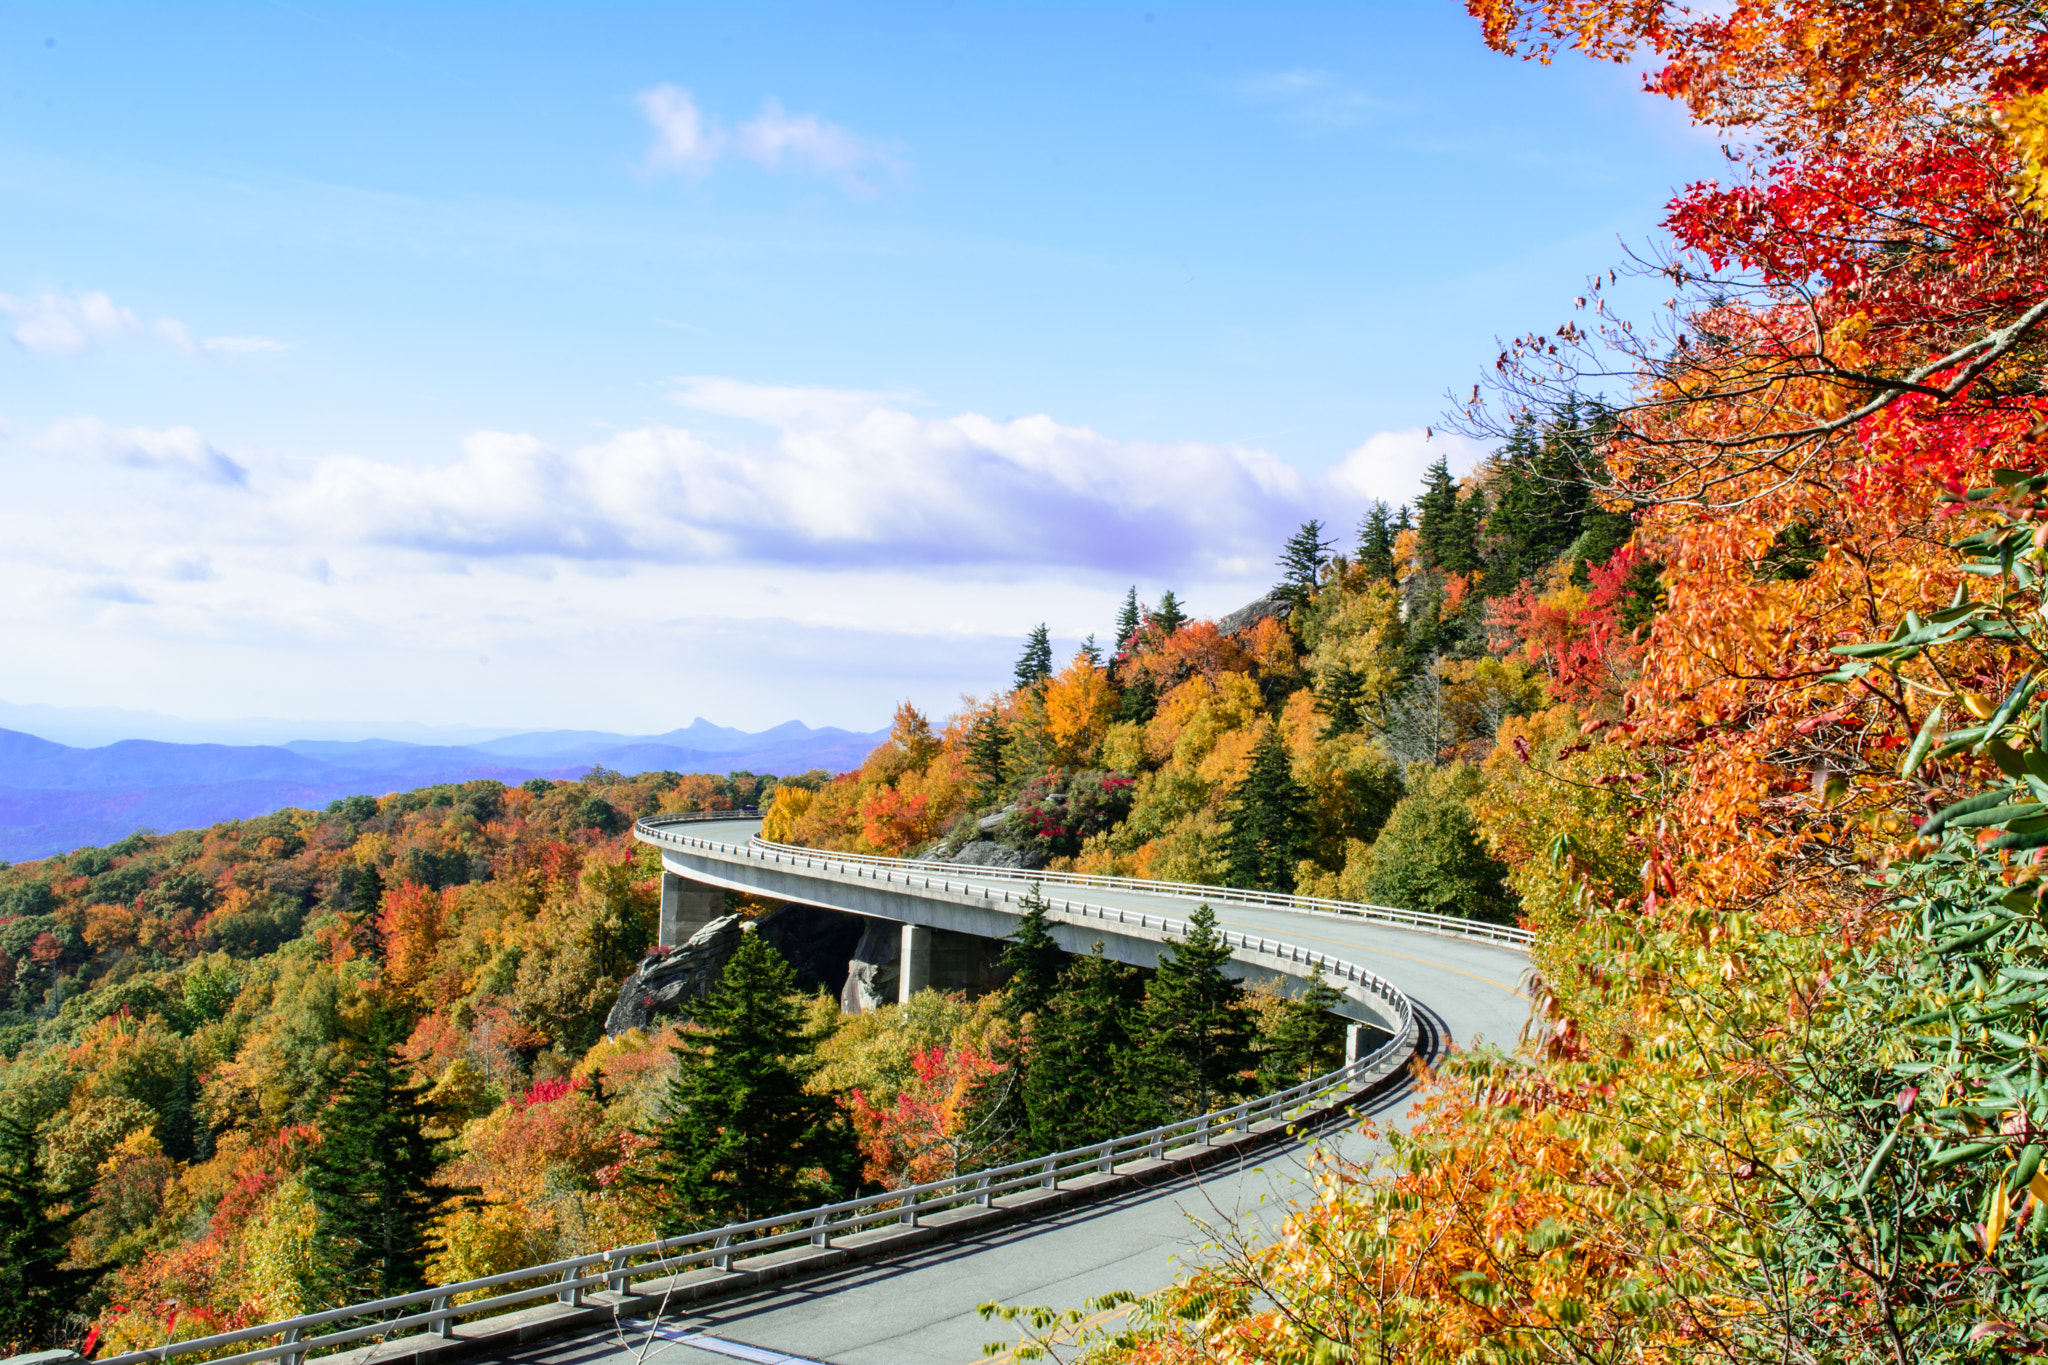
(686, 907)
(1354, 1042)
(914, 965)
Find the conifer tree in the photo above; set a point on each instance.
(1170, 616)
(1268, 815)
(1196, 1021)
(1307, 1040)
(1301, 563)
(1035, 664)
(1139, 701)
(1032, 959)
(1447, 524)
(1031, 964)
(372, 1177)
(365, 891)
(1092, 651)
(1128, 618)
(739, 1137)
(1376, 542)
(1337, 694)
(1091, 1076)
(987, 741)
(38, 1287)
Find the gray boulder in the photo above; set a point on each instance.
(668, 982)
(872, 975)
(1245, 617)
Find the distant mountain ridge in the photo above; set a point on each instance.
(55, 797)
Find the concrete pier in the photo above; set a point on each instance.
(686, 907)
(914, 965)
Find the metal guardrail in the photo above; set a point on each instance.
(1446, 926)
(615, 1271)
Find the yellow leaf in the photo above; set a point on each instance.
(1978, 705)
(1994, 1224)
(2025, 120)
(2038, 1186)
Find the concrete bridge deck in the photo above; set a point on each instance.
(918, 1309)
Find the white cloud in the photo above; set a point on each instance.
(56, 324)
(72, 324)
(687, 140)
(850, 478)
(682, 139)
(1315, 99)
(179, 449)
(1388, 466)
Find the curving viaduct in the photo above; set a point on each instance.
(894, 1278)
(917, 1308)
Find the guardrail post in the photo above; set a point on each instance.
(616, 1275)
(292, 1334)
(1047, 1180)
(721, 1257)
(443, 1327)
(1107, 1161)
(1156, 1148)
(909, 1215)
(821, 1232)
(981, 1195)
(1202, 1130)
(573, 1295)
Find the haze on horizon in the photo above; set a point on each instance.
(603, 367)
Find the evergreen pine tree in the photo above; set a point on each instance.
(1128, 618)
(1307, 1040)
(1268, 815)
(1376, 542)
(38, 1289)
(1092, 651)
(182, 1129)
(987, 740)
(371, 1178)
(1035, 665)
(1169, 617)
(1447, 524)
(1138, 702)
(1301, 563)
(1031, 964)
(1090, 1077)
(1337, 700)
(1032, 960)
(365, 891)
(1195, 1019)
(739, 1138)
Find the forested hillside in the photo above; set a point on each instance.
(1343, 736)
(317, 1058)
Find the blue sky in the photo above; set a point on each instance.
(605, 366)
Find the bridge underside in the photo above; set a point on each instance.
(692, 882)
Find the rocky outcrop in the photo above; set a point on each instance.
(989, 853)
(668, 980)
(872, 974)
(1273, 604)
